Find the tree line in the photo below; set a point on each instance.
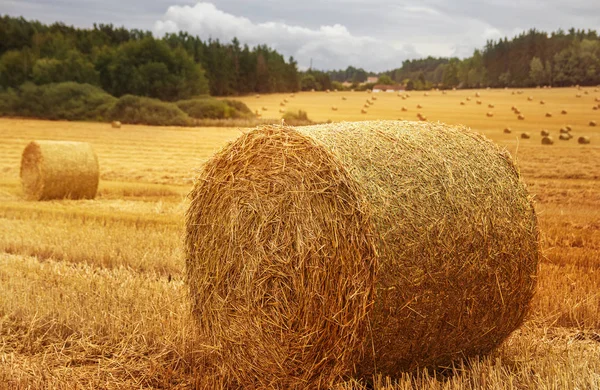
(530, 59)
(122, 61)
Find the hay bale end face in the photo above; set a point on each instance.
(544, 133)
(584, 140)
(59, 170)
(315, 251)
(116, 124)
(525, 135)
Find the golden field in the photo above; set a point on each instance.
(92, 292)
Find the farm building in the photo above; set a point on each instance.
(388, 88)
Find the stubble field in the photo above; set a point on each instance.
(92, 292)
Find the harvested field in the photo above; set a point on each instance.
(93, 293)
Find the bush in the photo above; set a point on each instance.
(8, 99)
(69, 101)
(296, 119)
(211, 108)
(143, 110)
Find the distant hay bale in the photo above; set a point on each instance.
(344, 98)
(58, 170)
(489, 114)
(565, 136)
(514, 108)
(592, 123)
(568, 127)
(542, 102)
(264, 108)
(423, 118)
(425, 94)
(257, 96)
(521, 117)
(547, 140)
(281, 110)
(363, 111)
(285, 100)
(116, 124)
(477, 94)
(374, 97)
(293, 95)
(419, 106)
(525, 135)
(333, 108)
(282, 104)
(564, 112)
(578, 95)
(548, 115)
(313, 253)
(327, 91)
(507, 130)
(366, 105)
(596, 107)
(468, 99)
(462, 103)
(490, 106)
(478, 102)
(564, 130)
(544, 133)
(443, 92)
(583, 140)
(530, 98)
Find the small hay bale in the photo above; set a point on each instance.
(578, 95)
(59, 170)
(462, 103)
(333, 108)
(263, 108)
(374, 97)
(489, 114)
(544, 133)
(293, 95)
(597, 99)
(525, 135)
(468, 99)
(363, 111)
(564, 130)
(304, 245)
(257, 96)
(423, 118)
(327, 91)
(542, 102)
(281, 110)
(595, 108)
(477, 94)
(565, 137)
(344, 98)
(530, 98)
(548, 115)
(490, 106)
(285, 100)
(404, 108)
(419, 106)
(564, 112)
(592, 123)
(366, 105)
(584, 140)
(478, 101)
(282, 104)
(116, 124)
(568, 127)
(425, 94)
(521, 117)
(547, 140)
(507, 130)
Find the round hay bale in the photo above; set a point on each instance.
(507, 130)
(477, 94)
(548, 115)
(596, 107)
(547, 140)
(479, 102)
(116, 124)
(584, 140)
(593, 123)
(564, 130)
(544, 133)
(530, 98)
(525, 135)
(542, 102)
(489, 114)
(257, 96)
(565, 137)
(521, 117)
(423, 118)
(282, 104)
(344, 98)
(263, 108)
(568, 127)
(59, 170)
(490, 106)
(468, 98)
(419, 106)
(313, 252)
(333, 108)
(374, 97)
(404, 108)
(462, 103)
(363, 111)
(564, 112)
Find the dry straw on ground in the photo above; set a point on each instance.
(59, 169)
(317, 252)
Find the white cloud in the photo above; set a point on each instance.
(330, 46)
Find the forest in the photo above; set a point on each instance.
(181, 66)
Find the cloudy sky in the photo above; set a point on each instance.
(374, 34)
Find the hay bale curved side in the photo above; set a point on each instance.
(278, 218)
(59, 169)
(280, 261)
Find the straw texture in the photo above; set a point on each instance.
(357, 248)
(59, 169)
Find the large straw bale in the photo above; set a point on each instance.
(59, 169)
(357, 248)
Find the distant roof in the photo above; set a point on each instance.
(385, 87)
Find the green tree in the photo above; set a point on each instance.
(385, 79)
(537, 73)
(16, 67)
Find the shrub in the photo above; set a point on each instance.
(69, 100)
(207, 107)
(143, 110)
(296, 119)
